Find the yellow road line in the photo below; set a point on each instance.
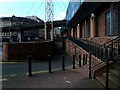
(11, 62)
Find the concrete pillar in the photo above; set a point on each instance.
(85, 30)
(72, 32)
(19, 37)
(92, 25)
(45, 36)
(78, 31)
(51, 35)
(52, 31)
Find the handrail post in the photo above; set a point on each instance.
(90, 66)
(49, 60)
(79, 60)
(73, 61)
(63, 62)
(101, 53)
(99, 47)
(118, 48)
(83, 59)
(111, 52)
(29, 66)
(95, 49)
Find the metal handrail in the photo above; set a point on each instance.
(104, 50)
(107, 43)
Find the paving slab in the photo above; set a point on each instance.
(70, 78)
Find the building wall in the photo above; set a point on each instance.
(101, 24)
(72, 49)
(116, 20)
(20, 51)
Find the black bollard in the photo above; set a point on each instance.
(90, 67)
(79, 60)
(63, 62)
(83, 59)
(73, 61)
(49, 59)
(29, 66)
(86, 59)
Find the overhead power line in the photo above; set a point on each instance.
(38, 7)
(31, 7)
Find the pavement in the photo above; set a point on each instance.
(70, 78)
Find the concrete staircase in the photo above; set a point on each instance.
(109, 51)
(114, 76)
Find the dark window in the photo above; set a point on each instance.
(108, 23)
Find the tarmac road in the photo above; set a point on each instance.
(14, 69)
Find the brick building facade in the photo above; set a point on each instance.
(94, 30)
(99, 21)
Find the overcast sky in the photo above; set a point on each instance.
(24, 8)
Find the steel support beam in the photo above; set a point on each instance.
(49, 18)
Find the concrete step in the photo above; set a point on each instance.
(102, 81)
(113, 81)
(115, 72)
(117, 66)
(114, 76)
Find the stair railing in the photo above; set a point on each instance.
(108, 51)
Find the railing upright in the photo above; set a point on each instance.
(79, 60)
(90, 66)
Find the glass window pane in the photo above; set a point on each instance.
(107, 23)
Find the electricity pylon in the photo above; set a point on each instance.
(49, 19)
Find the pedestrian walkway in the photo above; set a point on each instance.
(70, 78)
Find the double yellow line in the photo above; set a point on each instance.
(11, 62)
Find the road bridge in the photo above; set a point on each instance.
(57, 23)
